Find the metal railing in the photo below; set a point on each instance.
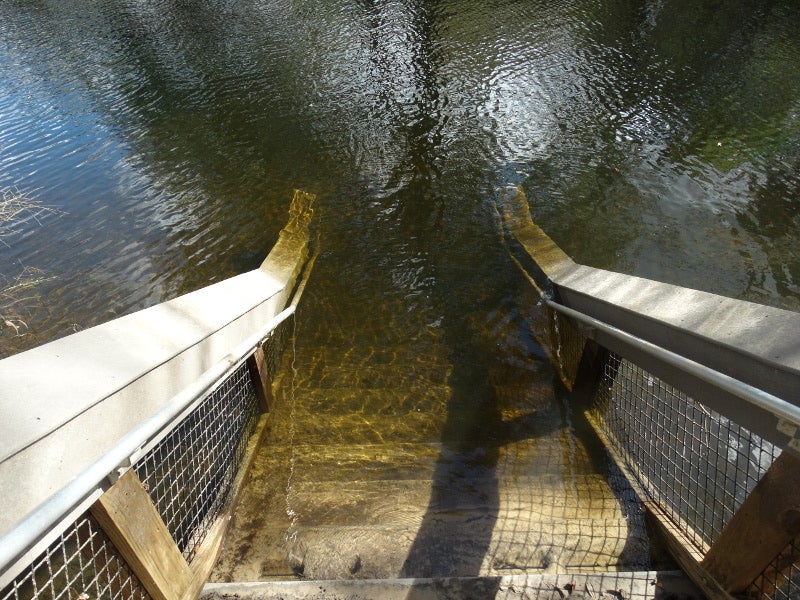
(188, 475)
(186, 455)
(695, 430)
(80, 564)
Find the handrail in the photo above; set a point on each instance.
(648, 362)
(22, 536)
(137, 378)
(742, 359)
(757, 397)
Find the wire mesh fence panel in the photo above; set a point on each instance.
(698, 465)
(781, 579)
(189, 474)
(82, 564)
(275, 345)
(559, 337)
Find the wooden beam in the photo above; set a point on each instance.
(207, 555)
(257, 366)
(764, 525)
(128, 517)
(685, 553)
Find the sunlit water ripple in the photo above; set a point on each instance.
(166, 140)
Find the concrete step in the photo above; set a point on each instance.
(430, 510)
(516, 396)
(408, 502)
(437, 542)
(405, 374)
(355, 428)
(348, 354)
(641, 585)
(522, 462)
(387, 324)
(387, 402)
(443, 545)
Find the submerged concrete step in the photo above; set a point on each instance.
(380, 503)
(347, 354)
(382, 462)
(642, 585)
(430, 510)
(355, 428)
(522, 461)
(442, 545)
(512, 398)
(387, 401)
(406, 375)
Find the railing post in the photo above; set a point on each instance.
(767, 521)
(259, 373)
(593, 361)
(130, 520)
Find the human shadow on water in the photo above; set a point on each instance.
(455, 536)
(459, 535)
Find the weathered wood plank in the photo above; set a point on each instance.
(127, 515)
(766, 522)
(257, 366)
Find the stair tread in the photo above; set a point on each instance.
(407, 501)
(440, 545)
(629, 585)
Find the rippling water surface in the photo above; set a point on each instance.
(659, 138)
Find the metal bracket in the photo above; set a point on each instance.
(125, 466)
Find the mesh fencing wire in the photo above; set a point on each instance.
(189, 474)
(698, 465)
(781, 579)
(82, 564)
(275, 345)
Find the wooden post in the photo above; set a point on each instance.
(259, 373)
(767, 521)
(590, 372)
(129, 519)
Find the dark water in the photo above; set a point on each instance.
(660, 138)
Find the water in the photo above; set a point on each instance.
(656, 138)
(164, 139)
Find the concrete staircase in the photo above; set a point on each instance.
(392, 469)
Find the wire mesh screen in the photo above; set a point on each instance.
(275, 345)
(82, 564)
(561, 339)
(781, 579)
(698, 465)
(189, 474)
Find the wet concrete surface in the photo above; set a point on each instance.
(392, 462)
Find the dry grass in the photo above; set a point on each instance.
(18, 292)
(16, 206)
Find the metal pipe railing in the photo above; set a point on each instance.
(781, 409)
(25, 534)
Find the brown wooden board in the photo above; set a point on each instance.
(763, 526)
(128, 517)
